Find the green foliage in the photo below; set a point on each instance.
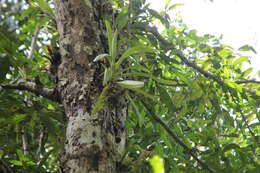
(210, 117)
(42, 120)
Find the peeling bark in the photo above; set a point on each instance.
(94, 143)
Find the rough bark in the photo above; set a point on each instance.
(94, 143)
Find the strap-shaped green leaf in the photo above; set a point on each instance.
(101, 101)
(107, 75)
(109, 37)
(114, 47)
(132, 51)
(240, 60)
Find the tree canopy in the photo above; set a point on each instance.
(190, 101)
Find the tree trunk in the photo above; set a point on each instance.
(94, 143)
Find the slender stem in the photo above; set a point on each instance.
(24, 139)
(176, 138)
(34, 40)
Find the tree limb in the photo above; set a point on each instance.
(32, 87)
(153, 30)
(176, 138)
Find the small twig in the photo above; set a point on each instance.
(129, 22)
(207, 74)
(34, 40)
(248, 127)
(176, 138)
(245, 121)
(32, 87)
(24, 139)
(41, 139)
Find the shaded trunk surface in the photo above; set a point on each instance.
(94, 143)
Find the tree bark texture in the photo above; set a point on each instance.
(94, 143)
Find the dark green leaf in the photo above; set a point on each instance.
(247, 48)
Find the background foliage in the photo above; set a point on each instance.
(215, 116)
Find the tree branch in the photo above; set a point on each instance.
(153, 30)
(245, 120)
(247, 81)
(48, 93)
(176, 138)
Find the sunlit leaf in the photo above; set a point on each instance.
(240, 60)
(167, 3)
(157, 164)
(174, 6)
(19, 117)
(250, 118)
(247, 71)
(16, 162)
